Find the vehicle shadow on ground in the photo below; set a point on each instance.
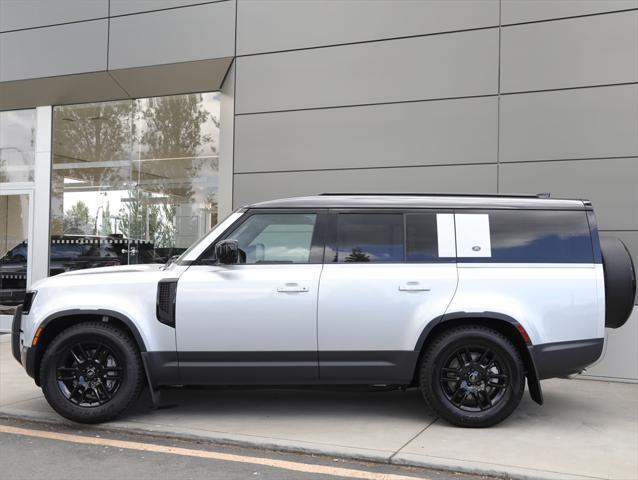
(230, 404)
(288, 403)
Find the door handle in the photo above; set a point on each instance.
(292, 287)
(413, 287)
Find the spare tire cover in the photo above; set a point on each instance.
(620, 281)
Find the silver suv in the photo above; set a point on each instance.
(462, 297)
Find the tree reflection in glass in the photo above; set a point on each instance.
(141, 174)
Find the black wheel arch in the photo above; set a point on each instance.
(504, 324)
(59, 321)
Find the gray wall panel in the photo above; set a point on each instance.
(597, 50)
(271, 25)
(19, 14)
(254, 187)
(178, 35)
(610, 184)
(60, 90)
(417, 133)
(514, 11)
(620, 358)
(172, 78)
(581, 123)
(437, 66)
(61, 50)
(125, 7)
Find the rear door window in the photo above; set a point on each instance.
(421, 241)
(370, 238)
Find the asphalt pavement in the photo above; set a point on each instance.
(32, 450)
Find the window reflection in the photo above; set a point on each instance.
(134, 180)
(17, 145)
(14, 250)
(275, 238)
(370, 237)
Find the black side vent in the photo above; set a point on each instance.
(28, 301)
(166, 290)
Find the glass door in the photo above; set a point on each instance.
(15, 250)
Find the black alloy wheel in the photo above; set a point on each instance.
(91, 372)
(472, 376)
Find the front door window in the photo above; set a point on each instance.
(275, 238)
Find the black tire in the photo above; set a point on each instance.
(110, 382)
(465, 388)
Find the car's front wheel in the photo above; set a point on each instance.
(91, 372)
(472, 376)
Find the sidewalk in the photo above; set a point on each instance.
(586, 429)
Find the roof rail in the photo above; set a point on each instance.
(394, 194)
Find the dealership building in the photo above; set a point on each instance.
(128, 128)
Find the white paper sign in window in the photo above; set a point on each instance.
(473, 235)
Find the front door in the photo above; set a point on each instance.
(254, 322)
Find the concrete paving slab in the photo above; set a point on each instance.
(13, 387)
(302, 416)
(586, 429)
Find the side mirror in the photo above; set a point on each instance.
(227, 252)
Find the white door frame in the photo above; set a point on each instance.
(39, 192)
(42, 193)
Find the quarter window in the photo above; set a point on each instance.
(539, 236)
(275, 238)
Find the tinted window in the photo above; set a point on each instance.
(421, 237)
(369, 237)
(539, 236)
(275, 238)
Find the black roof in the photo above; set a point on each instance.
(409, 200)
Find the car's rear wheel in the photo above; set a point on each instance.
(472, 376)
(91, 372)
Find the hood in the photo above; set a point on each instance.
(150, 267)
(102, 276)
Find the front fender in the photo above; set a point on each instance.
(139, 339)
(134, 304)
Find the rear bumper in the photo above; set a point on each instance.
(566, 358)
(24, 355)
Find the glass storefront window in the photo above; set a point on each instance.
(14, 250)
(17, 160)
(132, 181)
(17, 145)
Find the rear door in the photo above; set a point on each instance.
(387, 274)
